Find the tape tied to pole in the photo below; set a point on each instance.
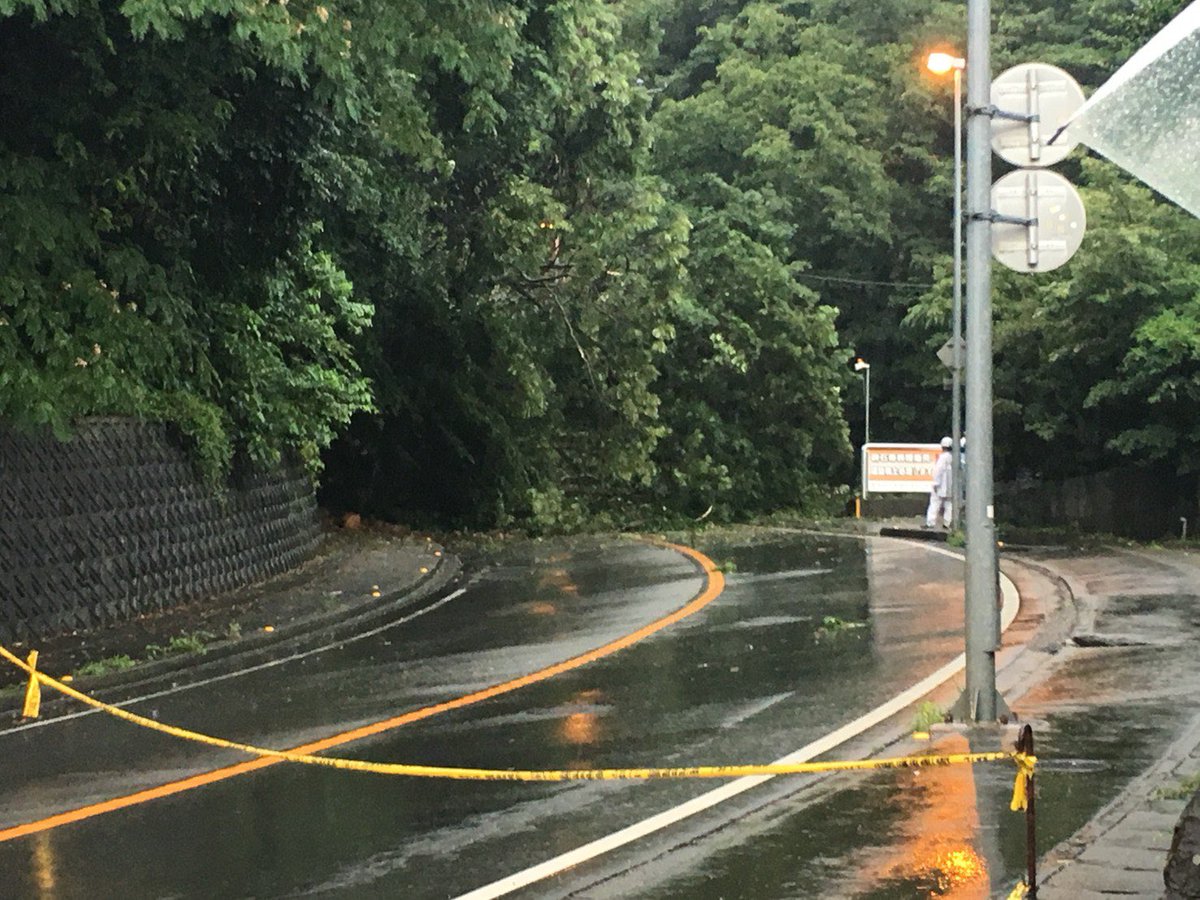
(33, 691)
(1020, 795)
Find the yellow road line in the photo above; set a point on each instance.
(715, 584)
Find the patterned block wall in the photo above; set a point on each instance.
(115, 522)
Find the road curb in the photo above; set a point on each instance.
(257, 647)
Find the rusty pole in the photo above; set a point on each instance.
(1025, 745)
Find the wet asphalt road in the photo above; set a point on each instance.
(808, 633)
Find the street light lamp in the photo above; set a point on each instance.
(861, 365)
(940, 64)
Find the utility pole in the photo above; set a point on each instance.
(982, 612)
(956, 315)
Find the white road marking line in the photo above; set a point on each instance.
(41, 723)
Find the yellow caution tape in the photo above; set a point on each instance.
(1020, 795)
(1024, 762)
(33, 691)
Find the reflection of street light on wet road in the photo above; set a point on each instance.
(861, 365)
(940, 64)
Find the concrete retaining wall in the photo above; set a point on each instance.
(115, 522)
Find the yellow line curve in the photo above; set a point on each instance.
(714, 585)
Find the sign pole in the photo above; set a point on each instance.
(866, 476)
(956, 471)
(982, 614)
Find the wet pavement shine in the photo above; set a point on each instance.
(809, 632)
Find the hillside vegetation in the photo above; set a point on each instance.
(556, 262)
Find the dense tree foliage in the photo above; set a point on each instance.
(554, 261)
(518, 336)
(775, 159)
(1112, 349)
(159, 257)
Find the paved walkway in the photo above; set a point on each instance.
(1133, 611)
(1123, 850)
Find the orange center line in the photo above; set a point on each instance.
(714, 586)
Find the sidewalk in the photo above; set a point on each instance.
(1123, 850)
(358, 579)
(1122, 650)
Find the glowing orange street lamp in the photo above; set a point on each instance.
(940, 64)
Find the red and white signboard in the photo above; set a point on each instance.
(898, 468)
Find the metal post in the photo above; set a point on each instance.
(1025, 745)
(980, 698)
(860, 365)
(867, 405)
(956, 482)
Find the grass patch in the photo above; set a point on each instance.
(96, 667)
(833, 627)
(928, 713)
(1181, 791)
(181, 643)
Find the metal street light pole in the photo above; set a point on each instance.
(940, 64)
(864, 366)
(867, 407)
(982, 612)
(956, 483)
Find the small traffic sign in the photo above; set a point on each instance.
(1039, 220)
(946, 353)
(1033, 101)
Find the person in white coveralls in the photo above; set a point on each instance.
(939, 493)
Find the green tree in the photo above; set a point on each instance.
(159, 260)
(516, 338)
(776, 159)
(1099, 363)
